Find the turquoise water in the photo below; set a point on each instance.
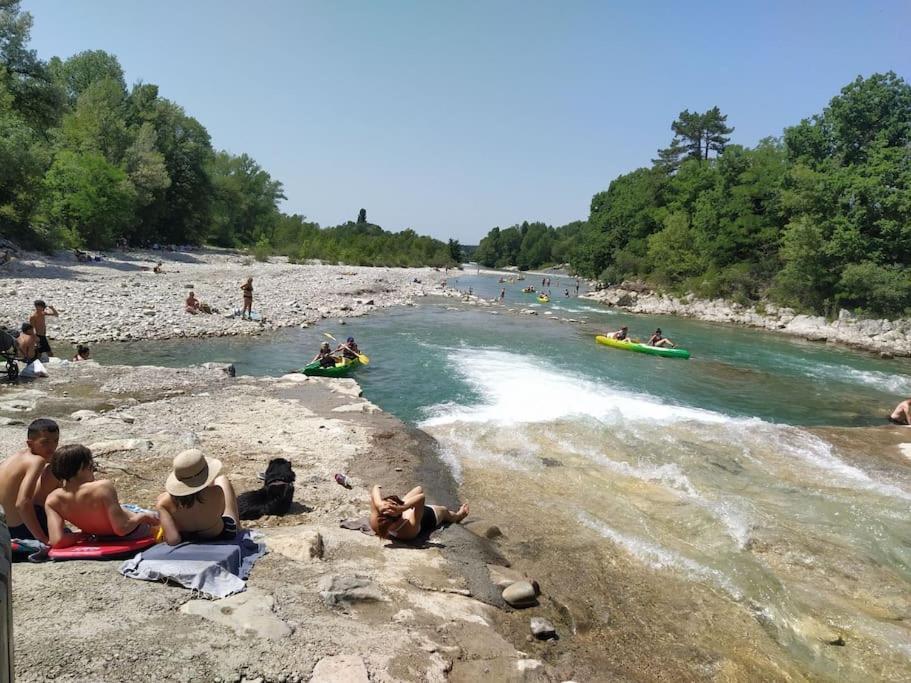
(731, 470)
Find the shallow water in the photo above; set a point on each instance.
(721, 470)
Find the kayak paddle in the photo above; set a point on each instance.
(360, 356)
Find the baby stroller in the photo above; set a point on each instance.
(9, 349)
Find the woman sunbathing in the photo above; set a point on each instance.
(199, 503)
(404, 520)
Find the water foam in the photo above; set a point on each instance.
(661, 558)
(519, 389)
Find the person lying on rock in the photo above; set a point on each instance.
(404, 520)
(199, 503)
(26, 481)
(89, 504)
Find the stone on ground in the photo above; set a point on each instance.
(520, 594)
(345, 590)
(340, 669)
(248, 613)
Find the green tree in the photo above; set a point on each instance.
(87, 201)
(79, 72)
(455, 250)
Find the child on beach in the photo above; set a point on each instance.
(90, 505)
(405, 520)
(38, 320)
(27, 341)
(247, 289)
(82, 353)
(199, 503)
(26, 481)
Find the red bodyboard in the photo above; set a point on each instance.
(90, 547)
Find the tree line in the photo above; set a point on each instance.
(86, 161)
(818, 219)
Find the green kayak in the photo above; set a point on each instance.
(340, 370)
(642, 348)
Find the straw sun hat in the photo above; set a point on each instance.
(192, 472)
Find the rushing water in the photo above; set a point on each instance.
(723, 469)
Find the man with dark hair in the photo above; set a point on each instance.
(86, 503)
(26, 481)
(38, 320)
(28, 343)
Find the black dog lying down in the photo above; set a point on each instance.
(274, 498)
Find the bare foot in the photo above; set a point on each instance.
(462, 513)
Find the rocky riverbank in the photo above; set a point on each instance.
(886, 337)
(120, 298)
(326, 604)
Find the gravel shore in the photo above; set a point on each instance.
(120, 298)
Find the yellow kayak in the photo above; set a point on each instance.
(543, 299)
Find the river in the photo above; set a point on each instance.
(758, 472)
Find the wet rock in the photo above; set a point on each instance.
(492, 532)
(503, 577)
(340, 669)
(249, 613)
(520, 594)
(346, 590)
(542, 629)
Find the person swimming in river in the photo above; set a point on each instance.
(325, 357)
(405, 520)
(657, 339)
(620, 335)
(902, 413)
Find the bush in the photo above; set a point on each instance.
(262, 250)
(875, 289)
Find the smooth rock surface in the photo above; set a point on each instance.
(340, 669)
(249, 613)
(520, 594)
(346, 590)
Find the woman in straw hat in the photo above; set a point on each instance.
(199, 503)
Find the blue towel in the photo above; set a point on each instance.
(216, 568)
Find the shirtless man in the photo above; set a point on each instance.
(902, 413)
(192, 303)
(90, 505)
(26, 481)
(404, 520)
(28, 343)
(199, 503)
(38, 320)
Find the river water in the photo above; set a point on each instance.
(760, 470)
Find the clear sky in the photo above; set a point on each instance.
(453, 117)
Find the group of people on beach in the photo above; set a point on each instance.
(31, 341)
(45, 488)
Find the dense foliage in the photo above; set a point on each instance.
(819, 220)
(86, 161)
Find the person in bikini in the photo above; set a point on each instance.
(38, 319)
(247, 289)
(89, 504)
(199, 503)
(902, 413)
(405, 520)
(26, 481)
(657, 339)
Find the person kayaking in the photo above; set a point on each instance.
(349, 349)
(902, 413)
(620, 335)
(325, 357)
(658, 339)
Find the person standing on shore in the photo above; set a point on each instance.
(38, 320)
(247, 289)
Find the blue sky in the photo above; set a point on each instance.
(453, 117)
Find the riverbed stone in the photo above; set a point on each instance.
(346, 590)
(340, 669)
(503, 577)
(542, 629)
(118, 445)
(520, 594)
(249, 613)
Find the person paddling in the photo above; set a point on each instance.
(620, 335)
(657, 339)
(349, 349)
(325, 357)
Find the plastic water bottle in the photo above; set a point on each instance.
(343, 480)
